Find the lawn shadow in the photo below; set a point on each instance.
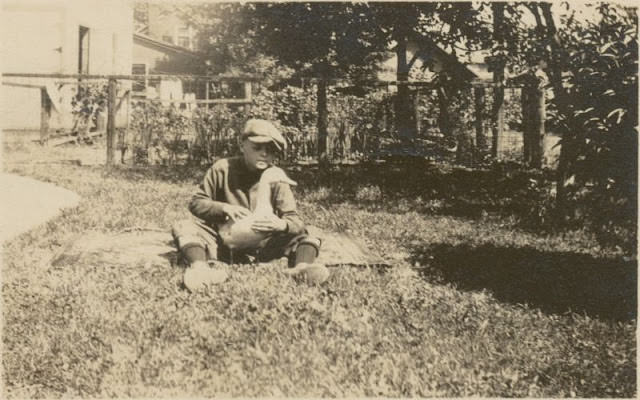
(426, 187)
(555, 282)
(421, 186)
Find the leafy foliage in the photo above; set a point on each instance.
(89, 101)
(321, 39)
(216, 133)
(591, 64)
(293, 109)
(159, 133)
(601, 60)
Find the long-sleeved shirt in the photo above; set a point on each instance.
(230, 181)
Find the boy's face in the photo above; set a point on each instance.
(258, 156)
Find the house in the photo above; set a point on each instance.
(431, 59)
(63, 37)
(156, 57)
(164, 43)
(165, 24)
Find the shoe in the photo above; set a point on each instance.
(315, 273)
(199, 276)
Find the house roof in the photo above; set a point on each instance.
(162, 45)
(470, 67)
(429, 49)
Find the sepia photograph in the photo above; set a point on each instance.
(324, 199)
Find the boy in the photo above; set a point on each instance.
(228, 192)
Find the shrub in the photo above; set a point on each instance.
(216, 133)
(293, 110)
(601, 139)
(160, 134)
(89, 101)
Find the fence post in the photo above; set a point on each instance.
(124, 137)
(526, 124)
(537, 129)
(481, 138)
(321, 108)
(111, 120)
(533, 116)
(498, 118)
(248, 97)
(416, 109)
(45, 115)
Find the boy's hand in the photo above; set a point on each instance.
(269, 224)
(235, 212)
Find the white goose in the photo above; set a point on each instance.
(238, 235)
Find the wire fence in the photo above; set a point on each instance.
(172, 119)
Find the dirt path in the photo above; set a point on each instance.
(26, 203)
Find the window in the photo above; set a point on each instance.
(167, 39)
(184, 41)
(183, 30)
(139, 85)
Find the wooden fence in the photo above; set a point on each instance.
(113, 105)
(533, 112)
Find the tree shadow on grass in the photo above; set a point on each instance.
(555, 282)
(426, 187)
(421, 186)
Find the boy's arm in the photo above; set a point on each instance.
(203, 205)
(285, 208)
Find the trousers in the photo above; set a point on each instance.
(190, 232)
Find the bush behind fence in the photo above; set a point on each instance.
(360, 127)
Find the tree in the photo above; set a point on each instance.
(599, 109)
(498, 65)
(396, 25)
(324, 40)
(224, 35)
(140, 16)
(592, 70)
(445, 24)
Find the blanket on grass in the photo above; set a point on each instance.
(154, 247)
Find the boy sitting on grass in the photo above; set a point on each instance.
(229, 194)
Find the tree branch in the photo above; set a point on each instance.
(413, 60)
(533, 8)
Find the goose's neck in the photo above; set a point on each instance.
(263, 198)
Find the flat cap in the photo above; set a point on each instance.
(263, 131)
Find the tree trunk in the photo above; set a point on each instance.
(416, 110)
(444, 122)
(526, 124)
(533, 116)
(537, 128)
(463, 129)
(322, 123)
(562, 176)
(405, 115)
(498, 78)
(554, 71)
(481, 137)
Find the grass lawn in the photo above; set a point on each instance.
(474, 305)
